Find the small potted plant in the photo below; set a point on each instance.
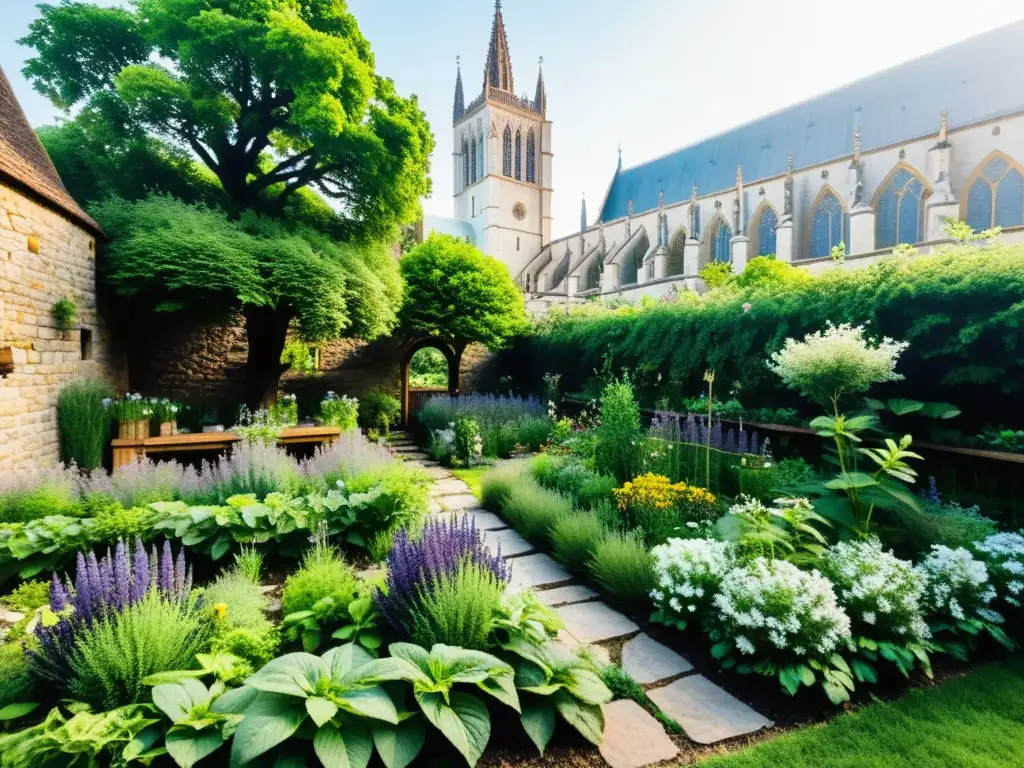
(339, 411)
(165, 413)
(64, 313)
(132, 414)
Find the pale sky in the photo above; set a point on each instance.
(655, 74)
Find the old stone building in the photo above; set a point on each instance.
(47, 251)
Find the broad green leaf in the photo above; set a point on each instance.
(837, 694)
(585, 718)
(321, 709)
(236, 701)
(902, 407)
(538, 719)
(465, 723)
(398, 745)
(806, 675)
(874, 405)
(414, 654)
(311, 639)
(588, 687)
(20, 709)
(864, 672)
(353, 749)
(371, 640)
(173, 700)
(721, 650)
(390, 668)
(294, 674)
(370, 702)
(940, 411)
(503, 688)
(175, 676)
(345, 633)
(848, 480)
(271, 719)
(220, 547)
(188, 746)
(142, 742)
(342, 660)
(790, 679)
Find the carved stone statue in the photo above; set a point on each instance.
(736, 216)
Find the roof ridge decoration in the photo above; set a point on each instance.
(498, 69)
(459, 108)
(540, 97)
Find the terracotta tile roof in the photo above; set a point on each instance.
(24, 161)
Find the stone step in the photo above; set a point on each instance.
(706, 712)
(648, 661)
(449, 486)
(511, 543)
(594, 622)
(574, 593)
(632, 737)
(537, 571)
(458, 502)
(484, 520)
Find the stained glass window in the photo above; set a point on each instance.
(720, 242)
(766, 231)
(480, 155)
(996, 197)
(465, 163)
(519, 155)
(472, 161)
(828, 225)
(531, 157)
(899, 215)
(507, 164)
(675, 253)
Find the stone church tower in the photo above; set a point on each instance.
(502, 159)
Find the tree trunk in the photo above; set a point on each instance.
(454, 368)
(265, 330)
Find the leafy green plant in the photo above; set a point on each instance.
(318, 593)
(197, 730)
(622, 565)
(18, 683)
(379, 410)
(552, 682)
(716, 274)
(249, 563)
(623, 686)
(619, 433)
(497, 484)
(64, 314)
(28, 596)
(363, 627)
(789, 530)
(522, 616)
(533, 510)
(574, 539)
(341, 412)
(457, 608)
(83, 422)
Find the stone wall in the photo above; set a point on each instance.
(44, 256)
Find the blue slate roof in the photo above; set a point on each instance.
(975, 80)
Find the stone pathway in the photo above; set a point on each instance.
(633, 738)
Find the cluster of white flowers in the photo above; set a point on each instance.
(1004, 555)
(773, 609)
(688, 573)
(878, 590)
(840, 358)
(957, 585)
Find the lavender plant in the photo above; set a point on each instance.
(414, 566)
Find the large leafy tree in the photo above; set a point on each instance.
(273, 96)
(176, 257)
(248, 107)
(459, 296)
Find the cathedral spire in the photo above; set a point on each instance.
(459, 109)
(583, 213)
(498, 70)
(541, 96)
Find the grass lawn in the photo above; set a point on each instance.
(472, 477)
(976, 721)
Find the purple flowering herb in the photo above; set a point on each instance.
(140, 573)
(166, 582)
(415, 565)
(179, 575)
(933, 491)
(122, 576)
(58, 595)
(154, 566)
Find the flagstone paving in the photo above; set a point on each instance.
(706, 712)
(632, 738)
(648, 661)
(594, 622)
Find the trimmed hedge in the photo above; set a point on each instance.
(961, 310)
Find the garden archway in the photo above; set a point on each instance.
(414, 346)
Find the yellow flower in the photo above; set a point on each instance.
(221, 610)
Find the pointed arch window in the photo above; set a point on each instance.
(767, 223)
(465, 163)
(481, 169)
(519, 156)
(675, 253)
(472, 160)
(721, 240)
(507, 159)
(593, 275)
(531, 157)
(899, 209)
(828, 224)
(995, 194)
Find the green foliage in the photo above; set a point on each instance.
(58, 741)
(953, 307)
(624, 568)
(299, 358)
(18, 683)
(497, 484)
(771, 275)
(533, 510)
(28, 596)
(574, 539)
(64, 314)
(716, 274)
(788, 531)
(341, 412)
(170, 69)
(428, 368)
(249, 563)
(49, 498)
(456, 608)
(458, 295)
(523, 617)
(571, 477)
(83, 422)
(323, 576)
(468, 444)
(362, 625)
(197, 730)
(380, 411)
(623, 686)
(619, 435)
(111, 659)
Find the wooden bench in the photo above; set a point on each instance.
(127, 451)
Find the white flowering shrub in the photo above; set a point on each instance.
(770, 617)
(1003, 554)
(838, 360)
(958, 586)
(688, 573)
(882, 596)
